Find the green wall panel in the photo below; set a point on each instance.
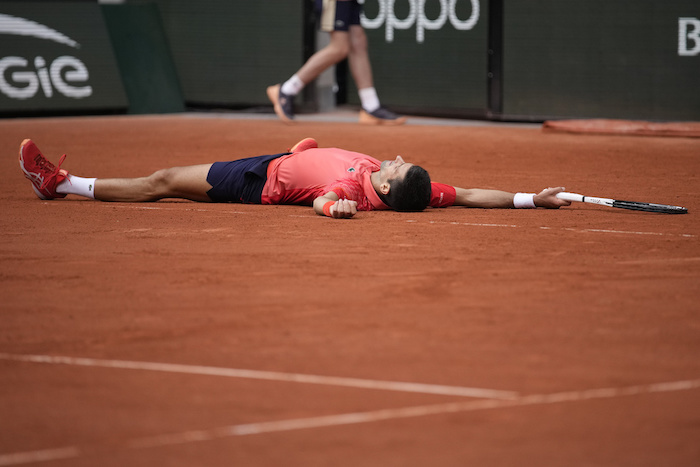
(145, 63)
(228, 51)
(600, 58)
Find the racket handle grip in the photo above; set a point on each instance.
(570, 196)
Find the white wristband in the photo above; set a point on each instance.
(524, 200)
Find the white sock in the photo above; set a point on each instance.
(73, 185)
(369, 99)
(292, 86)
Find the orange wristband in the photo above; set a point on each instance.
(327, 208)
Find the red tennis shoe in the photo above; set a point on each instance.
(303, 145)
(43, 174)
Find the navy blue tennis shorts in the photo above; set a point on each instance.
(239, 181)
(337, 15)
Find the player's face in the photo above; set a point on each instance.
(395, 170)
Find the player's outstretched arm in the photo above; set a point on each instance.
(481, 198)
(332, 206)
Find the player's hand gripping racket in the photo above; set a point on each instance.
(616, 203)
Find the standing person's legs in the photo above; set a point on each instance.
(282, 95)
(372, 112)
(338, 48)
(341, 18)
(361, 69)
(358, 58)
(334, 17)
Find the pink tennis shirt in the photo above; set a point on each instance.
(304, 176)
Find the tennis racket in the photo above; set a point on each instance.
(616, 203)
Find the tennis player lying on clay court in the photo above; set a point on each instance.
(336, 182)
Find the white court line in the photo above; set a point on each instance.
(44, 455)
(473, 224)
(569, 229)
(661, 260)
(159, 208)
(360, 417)
(470, 224)
(269, 375)
(407, 412)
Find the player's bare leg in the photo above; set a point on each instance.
(176, 182)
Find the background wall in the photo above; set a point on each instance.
(227, 52)
(500, 59)
(600, 58)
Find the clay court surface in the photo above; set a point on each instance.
(185, 334)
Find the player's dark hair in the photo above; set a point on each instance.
(410, 194)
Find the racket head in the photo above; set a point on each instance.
(649, 207)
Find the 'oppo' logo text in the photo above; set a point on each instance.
(417, 16)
